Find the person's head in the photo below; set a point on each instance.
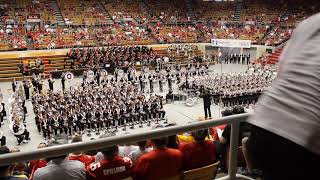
(238, 110)
(15, 149)
(200, 135)
(76, 139)
(110, 152)
(56, 143)
(5, 170)
(160, 143)
(227, 112)
(142, 145)
(172, 142)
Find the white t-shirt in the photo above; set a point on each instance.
(291, 107)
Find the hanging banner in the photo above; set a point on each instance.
(231, 43)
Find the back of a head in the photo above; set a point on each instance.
(76, 139)
(200, 135)
(4, 150)
(238, 110)
(142, 144)
(56, 143)
(227, 112)
(110, 152)
(160, 143)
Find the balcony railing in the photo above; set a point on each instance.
(125, 139)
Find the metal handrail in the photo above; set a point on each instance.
(55, 151)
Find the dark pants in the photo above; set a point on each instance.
(280, 158)
(207, 111)
(3, 141)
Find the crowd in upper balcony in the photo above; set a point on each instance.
(29, 24)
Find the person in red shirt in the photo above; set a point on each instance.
(36, 164)
(199, 153)
(159, 163)
(85, 159)
(112, 167)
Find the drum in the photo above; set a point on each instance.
(190, 102)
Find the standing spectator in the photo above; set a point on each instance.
(199, 153)
(112, 167)
(159, 163)
(61, 168)
(284, 143)
(6, 171)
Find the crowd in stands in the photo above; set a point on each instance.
(81, 12)
(147, 22)
(209, 11)
(12, 38)
(54, 38)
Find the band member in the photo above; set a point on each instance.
(151, 78)
(50, 82)
(20, 133)
(26, 89)
(14, 85)
(63, 82)
(3, 139)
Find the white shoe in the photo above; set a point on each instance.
(25, 141)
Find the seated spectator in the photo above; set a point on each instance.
(244, 127)
(61, 168)
(36, 164)
(6, 171)
(199, 153)
(173, 142)
(135, 155)
(112, 167)
(159, 163)
(85, 159)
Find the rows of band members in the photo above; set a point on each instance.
(231, 89)
(94, 108)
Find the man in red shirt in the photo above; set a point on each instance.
(159, 163)
(112, 167)
(199, 153)
(36, 164)
(85, 159)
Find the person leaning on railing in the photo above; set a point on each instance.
(285, 141)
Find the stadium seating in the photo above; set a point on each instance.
(214, 11)
(81, 12)
(203, 173)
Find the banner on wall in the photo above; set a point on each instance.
(231, 43)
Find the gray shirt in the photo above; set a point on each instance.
(61, 169)
(291, 107)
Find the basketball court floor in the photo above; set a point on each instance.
(176, 112)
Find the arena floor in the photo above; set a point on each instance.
(177, 112)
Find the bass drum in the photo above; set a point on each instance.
(190, 102)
